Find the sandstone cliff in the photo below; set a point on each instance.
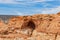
(35, 27)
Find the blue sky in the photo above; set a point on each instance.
(29, 7)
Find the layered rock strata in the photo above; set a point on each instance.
(35, 27)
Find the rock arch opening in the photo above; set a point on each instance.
(28, 29)
(31, 25)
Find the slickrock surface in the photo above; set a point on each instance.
(35, 27)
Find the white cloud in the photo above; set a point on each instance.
(22, 13)
(47, 10)
(41, 0)
(38, 0)
(19, 13)
(50, 10)
(22, 1)
(7, 1)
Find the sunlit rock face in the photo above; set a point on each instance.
(34, 27)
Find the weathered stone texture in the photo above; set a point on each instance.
(35, 27)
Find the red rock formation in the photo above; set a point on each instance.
(35, 27)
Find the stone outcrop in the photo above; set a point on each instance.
(35, 27)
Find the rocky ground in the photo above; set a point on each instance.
(35, 27)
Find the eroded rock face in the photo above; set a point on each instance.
(35, 27)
